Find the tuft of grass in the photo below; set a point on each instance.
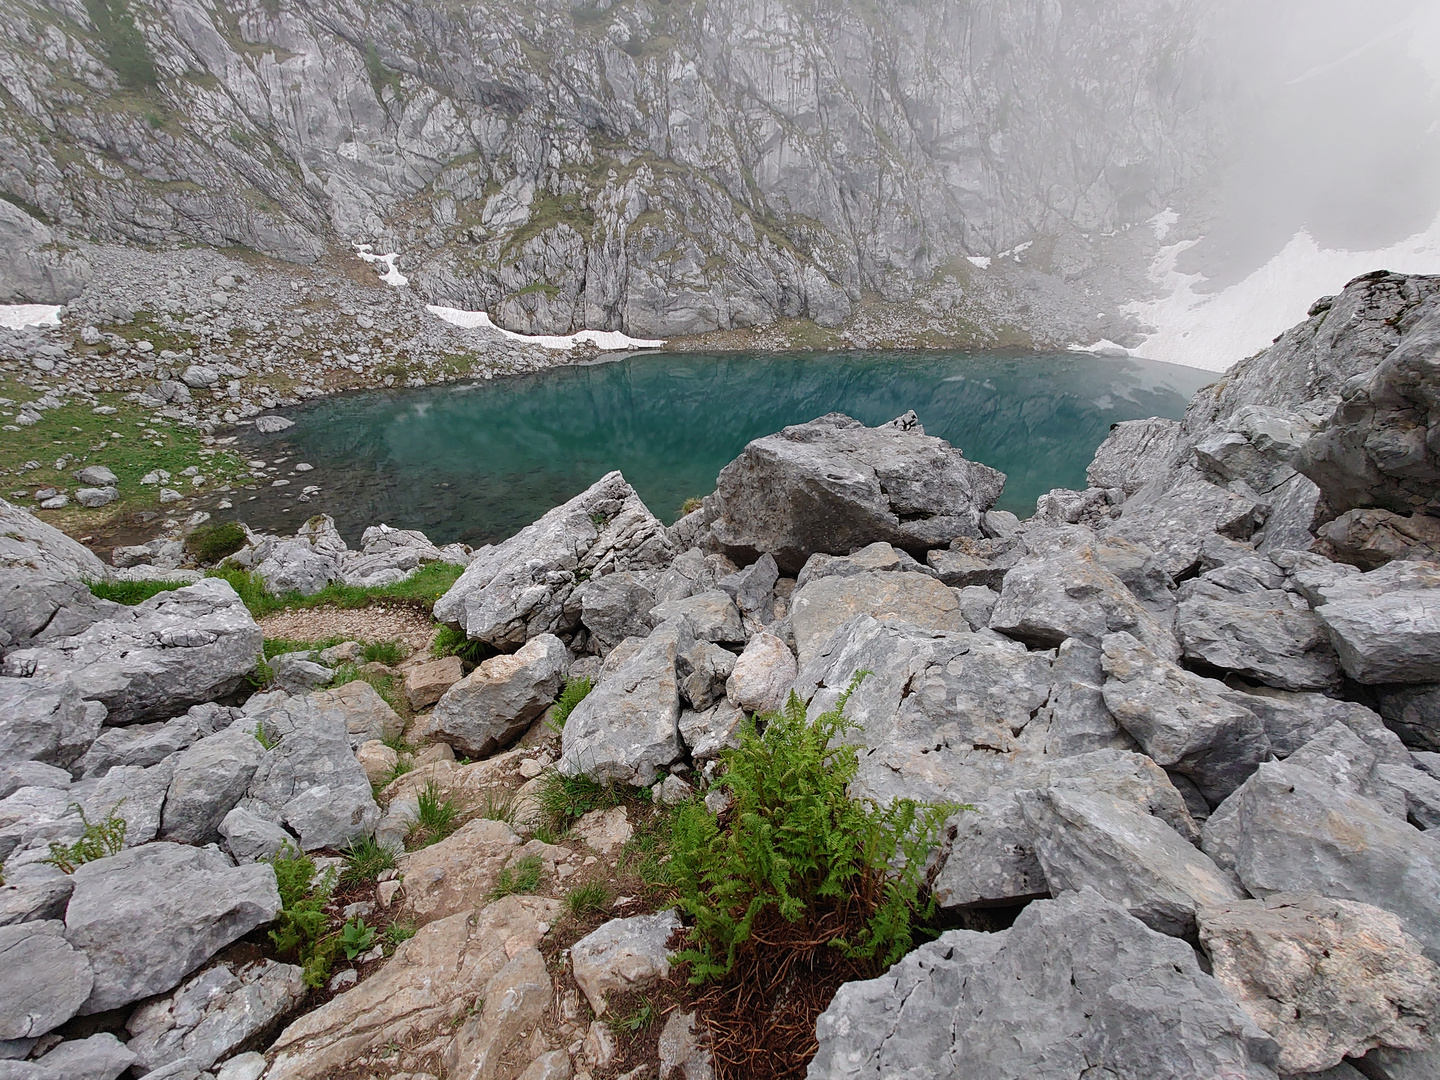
(796, 849)
(212, 543)
(690, 505)
(436, 816)
(498, 806)
(398, 932)
(591, 898)
(576, 690)
(563, 800)
(388, 653)
(100, 838)
(423, 588)
(131, 592)
(522, 877)
(365, 860)
(452, 641)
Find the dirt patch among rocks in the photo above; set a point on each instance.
(375, 623)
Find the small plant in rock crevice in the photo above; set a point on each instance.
(365, 860)
(576, 690)
(356, 938)
(453, 641)
(100, 838)
(523, 876)
(437, 816)
(563, 800)
(302, 927)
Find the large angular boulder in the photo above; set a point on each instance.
(1268, 635)
(1413, 712)
(1186, 723)
(1175, 514)
(834, 485)
(27, 543)
(209, 778)
(1327, 979)
(43, 979)
(447, 877)
(309, 778)
(1375, 450)
(763, 675)
(1293, 719)
(1065, 591)
(150, 744)
(1385, 624)
(940, 712)
(626, 729)
(623, 955)
(615, 607)
(213, 1013)
(154, 660)
(491, 707)
(1085, 835)
(1075, 718)
(820, 607)
(516, 999)
(1133, 454)
(100, 1057)
(45, 720)
(133, 794)
(149, 916)
(515, 590)
(36, 608)
(365, 714)
(429, 983)
(1296, 832)
(1077, 987)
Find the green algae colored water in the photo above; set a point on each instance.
(477, 462)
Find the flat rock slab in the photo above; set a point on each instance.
(152, 914)
(426, 683)
(1328, 979)
(1386, 624)
(429, 982)
(819, 608)
(1075, 988)
(623, 955)
(458, 872)
(43, 979)
(1267, 635)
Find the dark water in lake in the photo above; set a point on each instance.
(477, 462)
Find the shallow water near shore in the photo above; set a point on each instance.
(478, 462)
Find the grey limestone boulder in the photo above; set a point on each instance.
(626, 729)
(43, 979)
(705, 733)
(150, 915)
(1295, 832)
(1064, 591)
(15, 775)
(150, 744)
(1186, 723)
(365, 714)
(1173, 515)
(250, 837)
(753, 590)
(294, 566)
(296, 672)
(712, 615)
(214, 1012)
(1075, 718)
(44, 720)
(1076, 988)
(1293, 719)
(820, 607)
(34, 898)
(763, 676)
(36, 608)
(833, 485)
(703, 669)
(154, 660)
(100, 1057)
(209, 778)
(310, 778)
(491, 707)
(1385, 624)
(27, 543)
(1412, 712)
(872, 558)
(133, 794)
(1085, 835)
(1327, 979)
(615, 607)
(623, 955)
(1134, 453)
(518, 589)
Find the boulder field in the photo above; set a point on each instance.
(1195, 709)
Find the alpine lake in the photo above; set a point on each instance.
(477, 462)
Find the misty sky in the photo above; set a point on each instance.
(1339, 133)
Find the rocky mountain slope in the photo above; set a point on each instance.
(664, 168)
(1194, 708)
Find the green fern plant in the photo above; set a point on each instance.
(795, 844)
(576, 690)
(100, 838)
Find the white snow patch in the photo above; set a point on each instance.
(1016, 251)
(19, 316)
(1163, 222)
(391, 276)
(604, 340)
(981, 261)
(1214, 330)
(1104, 347)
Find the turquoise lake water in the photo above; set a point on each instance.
(477, 462)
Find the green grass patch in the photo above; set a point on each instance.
(211, 543)
(798, 858)
(389, 653)
(365, 860)
(563, 800)
(592, 898)
(131, 592)
(437, 817)
(422, 588)
(123, 42)
(522, 877)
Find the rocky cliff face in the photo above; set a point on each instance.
(662, 168)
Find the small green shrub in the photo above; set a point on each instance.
(563, 800)
(589, 899)
(389, 653)
(398, 932)
(435, 818)
(637, 1019)
(302, 925)
(690, 505)
(575, 692)
(365, 860)
(212, 543)
(452, 641)
(796, 847)
(356, 937)
(131, 593)
(100, 838)
(523, 877)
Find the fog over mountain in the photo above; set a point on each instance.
(675, 168)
